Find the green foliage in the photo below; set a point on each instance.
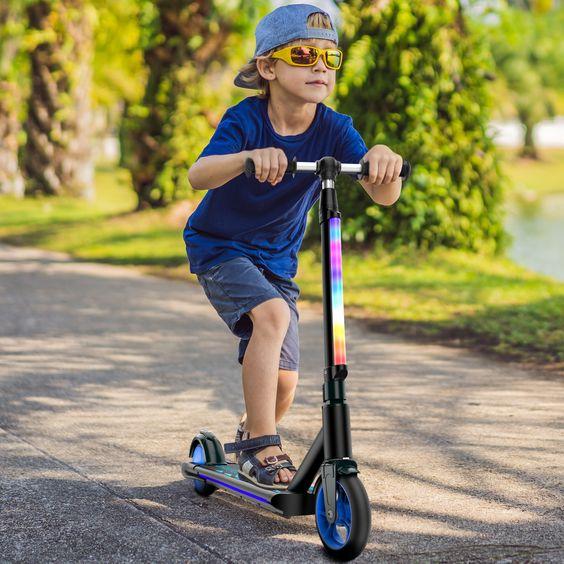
(11, 32)
(190, 50)
(13, 60)
(414, 79)
(118, 72)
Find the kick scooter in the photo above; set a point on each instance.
(326, 484)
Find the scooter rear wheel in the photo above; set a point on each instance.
(346, 537)
(201, 486)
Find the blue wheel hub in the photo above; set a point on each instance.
(335, 535)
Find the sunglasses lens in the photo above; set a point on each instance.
(304, 55)
(333, 59)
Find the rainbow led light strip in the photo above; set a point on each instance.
(339, 354)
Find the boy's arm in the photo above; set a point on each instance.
(214, 171)
(350, 146)
(383, 194)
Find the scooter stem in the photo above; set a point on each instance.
(336, 423)
(334, 439)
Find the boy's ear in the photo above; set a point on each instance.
(266, 69)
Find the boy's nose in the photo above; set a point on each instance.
(320, 65)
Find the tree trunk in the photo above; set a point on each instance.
(529, 150)
(58, 156)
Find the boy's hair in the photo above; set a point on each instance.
(250, 71)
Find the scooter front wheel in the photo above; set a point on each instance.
(346, 537)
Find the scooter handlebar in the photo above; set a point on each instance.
(359, 170)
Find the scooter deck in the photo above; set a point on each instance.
(226, 476)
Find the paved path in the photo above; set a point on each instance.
(106, 374)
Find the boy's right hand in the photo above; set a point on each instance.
(270, 164)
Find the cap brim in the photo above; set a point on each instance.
(245, 84)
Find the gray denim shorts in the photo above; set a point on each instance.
(236, 286)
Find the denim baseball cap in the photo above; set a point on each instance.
(283, 25)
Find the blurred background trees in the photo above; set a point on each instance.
(119, 73)
(157, 75)
(526, 44)
(186, 47)
(415, 78)
(57, 156)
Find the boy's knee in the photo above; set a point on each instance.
(272, 315)
(287, 380)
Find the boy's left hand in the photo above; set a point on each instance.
(384, 165)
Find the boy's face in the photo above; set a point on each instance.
(298, 81)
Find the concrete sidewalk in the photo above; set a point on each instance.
(106, 374)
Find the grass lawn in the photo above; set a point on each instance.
(452, 297)
(534, 178)
(446, 296)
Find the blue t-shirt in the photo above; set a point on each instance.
(265, 223)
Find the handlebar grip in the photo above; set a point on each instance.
(250, 167)
(404, 173)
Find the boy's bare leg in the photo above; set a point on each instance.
(287, 382)
(260, 387)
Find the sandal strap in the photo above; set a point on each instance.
(284, 464)
(264, 472)
(280, 461)
(274, 459)
(253, 444)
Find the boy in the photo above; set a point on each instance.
(242, 240)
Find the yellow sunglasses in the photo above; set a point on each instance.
(307, 56)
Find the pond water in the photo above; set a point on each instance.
(538, 234)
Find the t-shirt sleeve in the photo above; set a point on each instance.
(228, 137)
(350, 144)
